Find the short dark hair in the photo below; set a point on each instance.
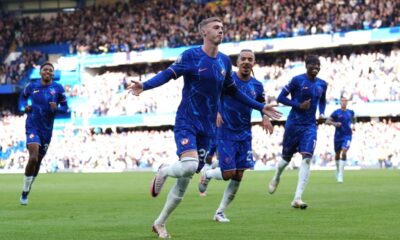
(312, 59)
(246, 50)
(46, 63)
(207, 21)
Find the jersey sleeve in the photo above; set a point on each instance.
(291, 87)
(334, 115)
(180, 66)
(177, 69)
(260, 94)
(229, 82)
(62, 100)
(25, 95)
(322, 101)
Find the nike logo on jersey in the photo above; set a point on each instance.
(35, 91)
(305, 87)
(202, 69)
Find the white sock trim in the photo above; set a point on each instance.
(26, 187)
(184, 159)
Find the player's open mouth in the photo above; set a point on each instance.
(246, 67)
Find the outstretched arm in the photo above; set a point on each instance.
(177, 69)
(161, 78)
(270, 111)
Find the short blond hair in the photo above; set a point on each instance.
(207, 21)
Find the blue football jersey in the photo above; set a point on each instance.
(42, 116)
(301, 88)
(346, 119)
(204, 78)
(236, 115)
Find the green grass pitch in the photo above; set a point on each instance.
(118, 206)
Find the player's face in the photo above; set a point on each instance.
(214, 32)
(47, 73)
(245, 63)
(313, 69)
(343, 102)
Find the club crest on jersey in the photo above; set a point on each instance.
(31, 135)
(52, 91)
(223, 72)
(184, 141)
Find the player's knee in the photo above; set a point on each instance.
(287, 158)
(33, 159)
(228, 175)
(307, 159)
(189, 167)
(237, 177)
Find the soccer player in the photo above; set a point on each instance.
(342, 119)
(234, 134)
(307, 93)
(206, 72)
(47, 98)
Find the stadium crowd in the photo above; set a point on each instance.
(375, 144)
(366, 77)
(137, 25)
(13, 72)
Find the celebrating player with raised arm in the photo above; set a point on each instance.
(206, 72)
(234, 134)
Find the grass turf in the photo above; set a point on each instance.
(119, 206)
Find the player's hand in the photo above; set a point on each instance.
(220, 121)
(53, 105)
(322, 119)
(135, 87)
(305, 105)
(28, 109)
(271, 112)
(267, 125)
